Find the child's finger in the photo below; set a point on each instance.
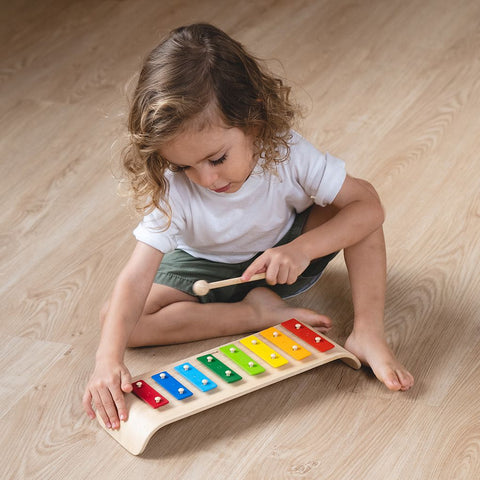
(126, 381)
(283, 274)
(292, 277)
(87, 404)
(120, 408)
(101, 412)
(271, 276)
(257, 266)
(109, 402)
(127, 386)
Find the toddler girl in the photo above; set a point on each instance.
(229, 189)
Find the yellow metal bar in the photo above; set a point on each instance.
(263, 351)
(286, 343)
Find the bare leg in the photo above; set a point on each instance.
(366, 264)
(367, 271)
(186, 320)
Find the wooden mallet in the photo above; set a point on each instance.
(201, 287)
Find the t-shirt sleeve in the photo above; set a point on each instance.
(321, 175)
(151, 231)
(334, 175)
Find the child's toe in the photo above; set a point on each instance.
(406, 379)
(391, 381)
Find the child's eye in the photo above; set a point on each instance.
(219, 161)
(178, 168)
(182, 168)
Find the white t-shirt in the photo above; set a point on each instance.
(233, 227)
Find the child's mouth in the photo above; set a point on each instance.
(223, 189)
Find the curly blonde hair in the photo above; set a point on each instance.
(194, 70)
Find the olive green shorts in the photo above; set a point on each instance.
(180, 270)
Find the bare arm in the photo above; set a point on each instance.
(127, 301)
(111, 377)
(359, 214)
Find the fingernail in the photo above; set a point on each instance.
(108, 425)
(123, 417)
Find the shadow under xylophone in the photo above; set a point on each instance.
(221, 374)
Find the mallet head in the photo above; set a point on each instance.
(200, 288)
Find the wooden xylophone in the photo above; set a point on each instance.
(221, 374)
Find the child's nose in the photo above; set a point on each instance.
(207, 176)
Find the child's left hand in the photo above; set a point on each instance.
(282, 265)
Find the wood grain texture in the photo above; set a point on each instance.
(22, 361)
(394, 89)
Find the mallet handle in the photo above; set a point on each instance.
(234, 281)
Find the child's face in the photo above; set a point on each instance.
(217, 158)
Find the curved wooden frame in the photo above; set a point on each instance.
(144, 420)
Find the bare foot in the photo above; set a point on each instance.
(372, 350)
(271, 310)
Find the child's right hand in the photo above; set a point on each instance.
(105, 390)
(281, 264)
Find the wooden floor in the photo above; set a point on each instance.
(391, 86)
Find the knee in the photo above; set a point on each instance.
(369, 187)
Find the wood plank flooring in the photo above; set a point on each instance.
(392, 87)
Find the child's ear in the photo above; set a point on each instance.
(253, 131)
